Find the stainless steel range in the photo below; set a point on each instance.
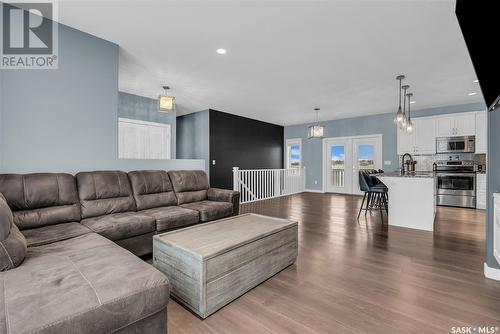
(456, 183)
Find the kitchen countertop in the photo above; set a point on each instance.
(408, 174)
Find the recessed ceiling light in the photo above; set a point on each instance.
(412, 102)
(221, 51)
(472, 93)
(475, 80)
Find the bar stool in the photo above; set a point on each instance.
(375, 194)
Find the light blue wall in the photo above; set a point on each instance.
(146, 109)
(1, 112)
(193, 131)
(358, 126)
(66, 120)
(493, 180)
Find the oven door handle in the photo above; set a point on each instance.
(473, 175)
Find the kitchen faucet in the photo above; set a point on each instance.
(403, 162)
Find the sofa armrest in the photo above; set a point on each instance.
(224, 195)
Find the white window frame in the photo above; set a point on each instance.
(146, 149)
(289, 143)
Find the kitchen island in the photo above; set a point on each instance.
(412, 199)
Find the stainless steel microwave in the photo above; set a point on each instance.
(456, 144)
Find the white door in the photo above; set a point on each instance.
(338, 165)
(143, 140)
(345, 157)
(367, 155)
(465, 125)
(425, 135)
(132, 139)
(158, 142)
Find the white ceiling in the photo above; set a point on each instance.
(285, 57)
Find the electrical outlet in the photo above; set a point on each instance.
(315, 181)
(387, 163)
(213, 162)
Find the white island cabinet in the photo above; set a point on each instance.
(412, 200)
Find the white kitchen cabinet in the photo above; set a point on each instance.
(496, 227)
(481, 196)
(445, 126)
(405, 142)
(424, 136)
(481, 132)
(465, 124)
(456, 125)
(427, 129)
(422, 140)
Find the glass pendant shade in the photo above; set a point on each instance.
(316, 131)
(409, 123)
(404, 123)
(409, 126)
(404, 120)
(398, 119)
(399, 116)
(166, 103)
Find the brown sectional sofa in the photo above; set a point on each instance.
(75, 277)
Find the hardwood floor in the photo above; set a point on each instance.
(363, 278)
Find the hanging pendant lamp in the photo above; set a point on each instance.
(316, 130)
(398, 119)
(404, 121)
(165, 101)
(409, 123)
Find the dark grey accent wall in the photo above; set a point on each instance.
(193, 136)
(145, 109)
(493, 180)
(242, 142)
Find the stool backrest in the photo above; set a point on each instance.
(364, 183)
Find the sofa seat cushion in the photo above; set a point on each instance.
(123, 225)
(52, 233)
(210, 210)
(86, 284)
(169, 217)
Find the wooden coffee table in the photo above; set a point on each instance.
(211, 264)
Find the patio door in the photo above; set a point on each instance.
(344, 157)
(338, 159)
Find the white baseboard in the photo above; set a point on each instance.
(314, 191)
(491, 273)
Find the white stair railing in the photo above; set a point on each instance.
(259, 184)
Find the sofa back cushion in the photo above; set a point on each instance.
(12, 242)
(189, 185)
(152, 189)
(41, 199)
(104, 192)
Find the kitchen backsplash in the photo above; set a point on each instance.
(424, 162)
